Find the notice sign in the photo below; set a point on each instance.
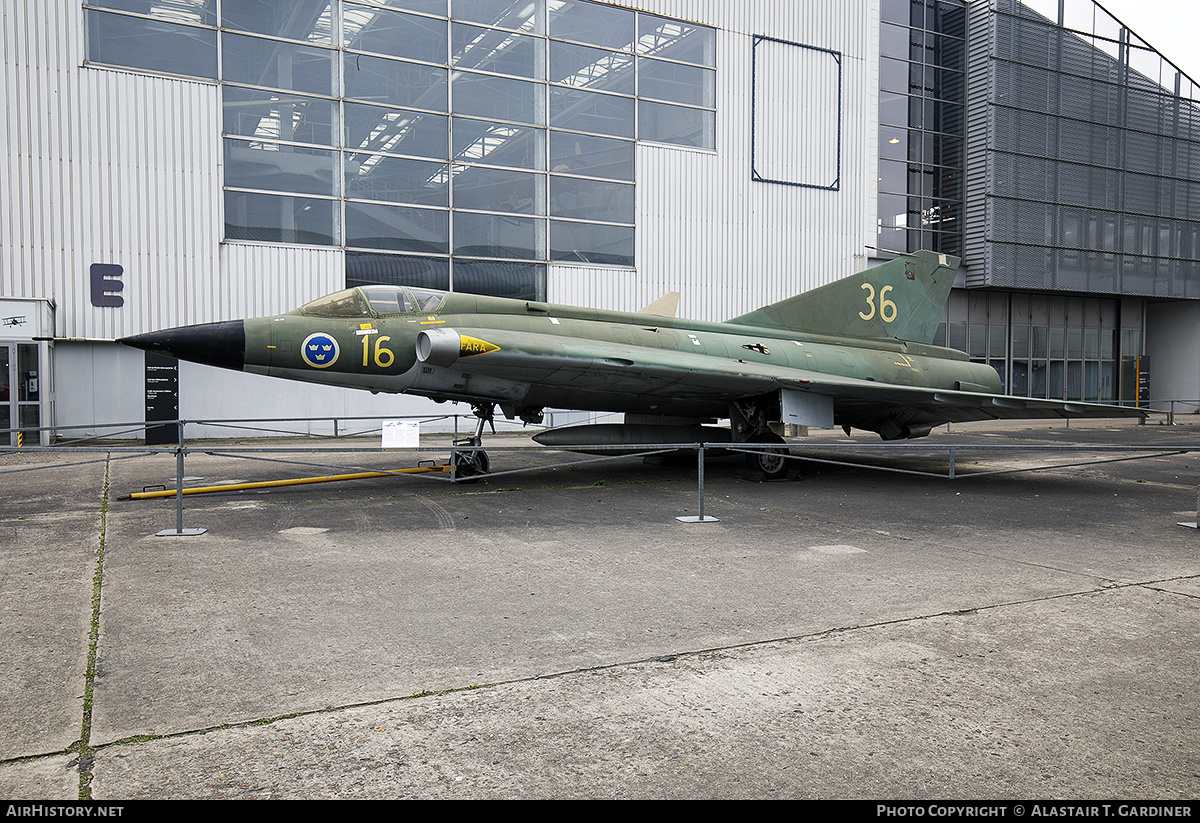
(401, 434)
(1143, 380)
(162, 398)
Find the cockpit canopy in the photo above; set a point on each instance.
(369, 301)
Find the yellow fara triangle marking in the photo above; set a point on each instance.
(471, 346)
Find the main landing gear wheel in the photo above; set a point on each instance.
(771, 463)
(472, 464)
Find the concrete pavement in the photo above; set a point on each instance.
(558, 633)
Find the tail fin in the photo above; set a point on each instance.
(904, 299)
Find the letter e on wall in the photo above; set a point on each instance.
(106, 282)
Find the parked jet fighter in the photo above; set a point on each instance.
(856, 353)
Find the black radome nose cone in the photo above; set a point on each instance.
(214, 344)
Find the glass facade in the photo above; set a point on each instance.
(1048, 346)
(922, 122)
(442, 143)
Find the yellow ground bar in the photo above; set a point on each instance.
(295, 481)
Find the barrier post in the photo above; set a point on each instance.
(179, 530)
(699, 516)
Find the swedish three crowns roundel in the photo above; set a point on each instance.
(319, 350)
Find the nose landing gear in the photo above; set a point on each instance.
(473, 461)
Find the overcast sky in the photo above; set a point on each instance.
(1171, 26)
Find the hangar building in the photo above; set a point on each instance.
(168, 162)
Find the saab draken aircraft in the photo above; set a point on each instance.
(856, 353)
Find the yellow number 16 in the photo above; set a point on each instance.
(383, 355)
(887, 309)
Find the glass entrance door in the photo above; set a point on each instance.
(20, 393)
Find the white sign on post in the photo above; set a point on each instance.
(401, 434)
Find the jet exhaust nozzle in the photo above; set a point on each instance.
(213, 344)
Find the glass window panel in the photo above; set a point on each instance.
(676, 83)
(1074, 343)
(396, 130)
(394, 33)
(893, 211)
(270, 218)
(591, 243)
(255, 61)
(366, 268)
(498, 98)
(507, 14)
(663, 123)
(396, 180)
(591, 156)
(1108, 340)
(892, 239)
(580, 110)
(151, 45)
(305, 20)
(599, 200)
(279, 167)
(958, 336)
(499, 235)
(893, 75)
(894, 177)
(398, 228)
(593, 23)
(896, 11)
(996, 341)
(437, 8)
(278, 116)
(893, 109)
(27, 368)
(587, 68)
(199, 12)
(499, 144)
(1058, 342)
(498, 190)
(977, 340)
(1020, 342)
(29, 416)
(894, 40)
(395, 83)
(494, 50)
(1108, 381)
(1040, 338)
(517, 281)
(676, 40)
(893, 143)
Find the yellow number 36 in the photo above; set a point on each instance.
(887, 309)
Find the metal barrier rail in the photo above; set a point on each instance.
(807, 452)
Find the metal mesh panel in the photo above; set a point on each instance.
(1090, 165)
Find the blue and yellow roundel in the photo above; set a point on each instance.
(319, 350)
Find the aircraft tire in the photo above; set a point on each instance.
(773, 463)
(473, 465)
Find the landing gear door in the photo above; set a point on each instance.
(806, 409)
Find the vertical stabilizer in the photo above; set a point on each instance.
(903, 298)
